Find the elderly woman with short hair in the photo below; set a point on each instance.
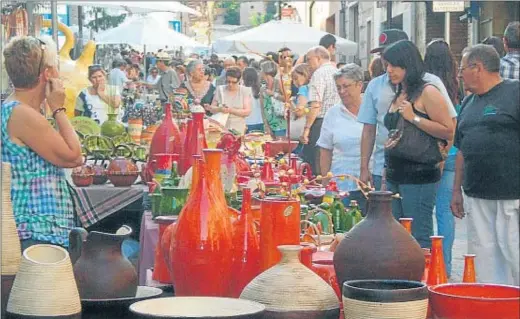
(340, 134)
(42, 204)
(196, 84)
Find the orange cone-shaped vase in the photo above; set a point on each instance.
(279, 225)
(246, 248)
(469, 269)
(202, 246)
(407, 224)
(437, 273)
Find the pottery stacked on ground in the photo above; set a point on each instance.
(11, 250)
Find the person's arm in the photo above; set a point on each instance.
(214, 108)
(368, 116)
(325, 162)
(440, 124)
(246, 109)
(61, 148)
(111, 99)
(299, 110)
(316, 92)
(326, 145)
(457, 202)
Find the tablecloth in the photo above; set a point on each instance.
(97, 202)
(148, 239)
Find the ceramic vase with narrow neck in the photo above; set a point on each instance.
(195, 140)
(203, 239)
(469, 269)
(378, 247)
(291, 290)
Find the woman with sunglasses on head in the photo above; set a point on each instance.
(439, 61)
(233, 99)
(99, 99)
(422, 105)
(38, 152)
(196, 85)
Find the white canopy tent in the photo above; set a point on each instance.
(273, 35)
(145, 31)
(136, 6)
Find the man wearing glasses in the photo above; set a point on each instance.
(377, 99)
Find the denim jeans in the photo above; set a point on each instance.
(360, 198)
(417, 201)
(445, 219)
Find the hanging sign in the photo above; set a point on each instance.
(448, 6)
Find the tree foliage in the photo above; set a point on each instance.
(103, 21)
(232, 15)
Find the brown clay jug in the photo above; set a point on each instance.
(378, 247)
(100, 269)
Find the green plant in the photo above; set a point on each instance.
(103, 21)
(232, 15)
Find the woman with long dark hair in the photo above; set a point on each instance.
(439, 60)
(254, 121)
(420, 104)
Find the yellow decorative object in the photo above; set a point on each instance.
(74, 73)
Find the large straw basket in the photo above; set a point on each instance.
(44, 286)
(11, 251)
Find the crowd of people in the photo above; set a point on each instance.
(463, 116)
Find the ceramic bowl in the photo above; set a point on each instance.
(475, 301)
(82, 180)
(197, 307)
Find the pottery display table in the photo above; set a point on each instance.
(149, 236)
(97, 202)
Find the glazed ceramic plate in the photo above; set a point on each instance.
(143, 293)
(198, 307)
(85, 125)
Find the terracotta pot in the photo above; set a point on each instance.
(100, 175)
(385, 299)
(82, 180)
(44, 286)
(11, 250)
(475, 301)
(246, 247)
(285, 290)
(203, 239)
(100, 269)
(123, 180)
(197, 308)
(381, 242)
(161, 271)
(280, 225)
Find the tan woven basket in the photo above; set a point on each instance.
(357, 309)
(45, 285)
(11, 250)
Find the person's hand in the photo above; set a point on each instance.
(305, 136)
(366, 177)
(226, 110)
(56, 95)
(457, 204)
(406, 110)
(299, 112)
(101, 87)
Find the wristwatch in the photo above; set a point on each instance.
(416, 119)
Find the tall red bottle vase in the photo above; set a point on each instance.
(407, 224)
(196, 139)
(437, 273)
(183, 165)
(267, 174)
(280, 225)
(267, 149)
(172, 229)
(182, 132)
(246, 247)
(306, 254)
(469, 269)
(163, 165)
(166, 139)
(203, 239)
(160, 269)
(427, 259)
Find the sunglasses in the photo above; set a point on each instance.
(231, 82)
(95, 67)
(43, 47)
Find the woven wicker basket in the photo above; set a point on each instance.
(11, 250)
(44, 285)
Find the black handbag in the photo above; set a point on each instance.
(409, 142)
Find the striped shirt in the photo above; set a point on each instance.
(510, 66)
(322, 88)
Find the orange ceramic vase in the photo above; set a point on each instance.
(407, 224)
(246, 248)
(427, 257)
(202, 245)
(170, 232)
(280, 225)
(469, 269)
(160, 268)
(437, 271)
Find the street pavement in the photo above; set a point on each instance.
(460, 247)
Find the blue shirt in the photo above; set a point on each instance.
(303, 91)
(376, 102)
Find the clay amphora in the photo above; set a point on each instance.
(378, 247)
(290, 290)
(100, 269)
(246, 247)
(202, 246)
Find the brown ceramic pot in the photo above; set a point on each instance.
(378, 247)
(100, 269)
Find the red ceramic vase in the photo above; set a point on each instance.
(160, 268)
(280, 225)
(163, 166)
(185, 157)
(195, 140)
(246, 247)
(203, 240)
